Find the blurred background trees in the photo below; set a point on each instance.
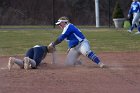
(45, 12)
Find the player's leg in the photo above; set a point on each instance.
(137, 22)
(38, 55)
(72, 57)
(78, 62)
(13, 61)
(134, 21)
(29, 63)
(28, 59)
(85, 50)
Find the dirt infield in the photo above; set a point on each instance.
(121, 76)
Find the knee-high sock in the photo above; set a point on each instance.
(132, 27)
(93, 57)
(19, 62)
(138, 28)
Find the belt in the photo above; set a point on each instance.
(81, 41)
(78, 43)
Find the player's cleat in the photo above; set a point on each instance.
(101, 65)
(129, 31)
(26, 63)
(11, 62)
(137, 33)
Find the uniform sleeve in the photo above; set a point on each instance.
(130, 10)
(66, 32)
(139, 6)
(62, 37)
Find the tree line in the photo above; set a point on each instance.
(46, 12)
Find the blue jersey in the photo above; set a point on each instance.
(135, 7)
(72, 35)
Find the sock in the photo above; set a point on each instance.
(19, 62)
(93, 57)
(132, 27)
(139, 28)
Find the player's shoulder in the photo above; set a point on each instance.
(36, 46)
(138, 3)
(72, 25)
(69, 26)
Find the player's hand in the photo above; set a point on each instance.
(51, 48)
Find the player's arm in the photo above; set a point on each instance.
(130, 11)
(51, 46)
(59, 39)
(64, 35)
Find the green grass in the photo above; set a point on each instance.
(101, 40)
(113, 40)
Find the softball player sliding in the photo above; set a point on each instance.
(135, 10)
(77, 43)
(33, 58)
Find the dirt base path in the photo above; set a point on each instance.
(121, 76)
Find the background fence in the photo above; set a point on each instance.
(46, 12)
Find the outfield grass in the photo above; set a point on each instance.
(113, 40)
(102, 40)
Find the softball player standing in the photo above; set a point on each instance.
(135, 10)
(77, 43)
